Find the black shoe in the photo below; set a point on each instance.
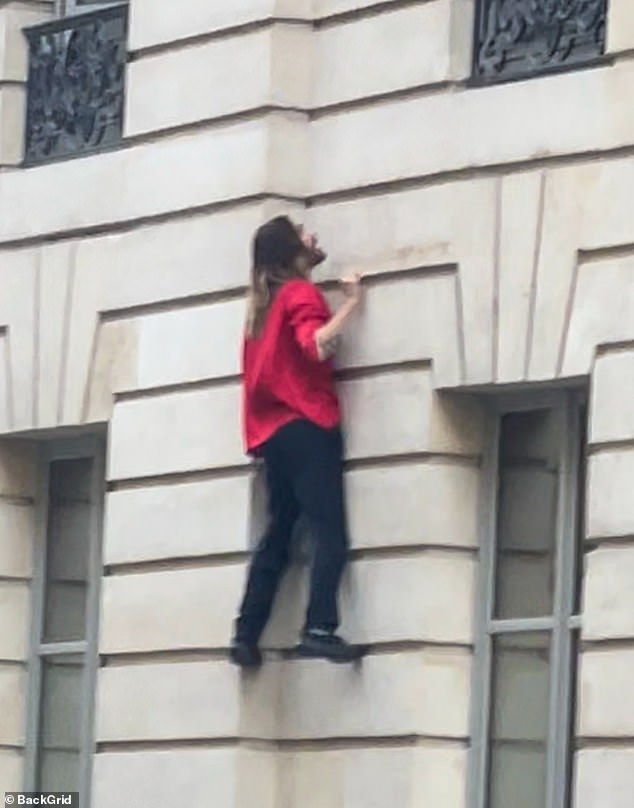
(245, 654)
(328, 645)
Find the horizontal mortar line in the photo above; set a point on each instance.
(18, 501)
(175, 304)
(368, 371)
(221, 653)
(234, 557)
(408, 550)
(12, 83)
(219, 121)
(11, 747)
(175, 563)
(178, 477)
(14, 663)
(594, 742)
(283, 744)
(386, 276)
(130, 225)
(421, 91)
(331, 197)
(619, 346)
(607, 644)
(596, 254)
(363, 12)
(598, 447)
(15, 579)
(227, 32)
(593, 542)
(178, 387)
(409, 458)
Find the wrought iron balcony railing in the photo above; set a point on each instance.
(75, 90)
(520, 38)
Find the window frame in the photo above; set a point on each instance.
(93, 447)
(564, 621)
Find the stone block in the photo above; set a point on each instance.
(397, 412)
(380, 777)
(14, 57)
(409, 47)
(520, 203)
(12, 117)
(604, 777)
(179, 432)
(163, 778)
(608, 609)
(11, 769)
(606, 703)
(426, 312)
(177, 521)
(15, 614)
(612, 413)
(17, 530)
(424, 692)
(12, 704)
(603, 310)
(55, 279)
(620, 21)
(18, 468)
(168, 701)
(234, 75)
(428, 598)
(610, 505)
(18, 278)
(190, 344)
(179, 609)
(413, 503)
(197, 17)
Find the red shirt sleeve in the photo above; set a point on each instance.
(307, 311)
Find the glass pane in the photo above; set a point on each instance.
(68, 544)
(527, 513)
(519, 720)
(60, 723)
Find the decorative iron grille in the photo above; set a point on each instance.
(519, 38)
(76, 81)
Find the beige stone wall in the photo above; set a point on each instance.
(17, 535)
(494, 227)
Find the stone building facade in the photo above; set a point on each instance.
(487, 383)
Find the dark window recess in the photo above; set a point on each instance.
(75, 90)
(520, 38)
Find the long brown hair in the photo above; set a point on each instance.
(276, 249)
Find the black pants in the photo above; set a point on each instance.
(305, 477)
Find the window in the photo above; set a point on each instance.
(529, 604)
(65, 608)
(76, 81)
(520, 38)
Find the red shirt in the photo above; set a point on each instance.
(283, 377)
